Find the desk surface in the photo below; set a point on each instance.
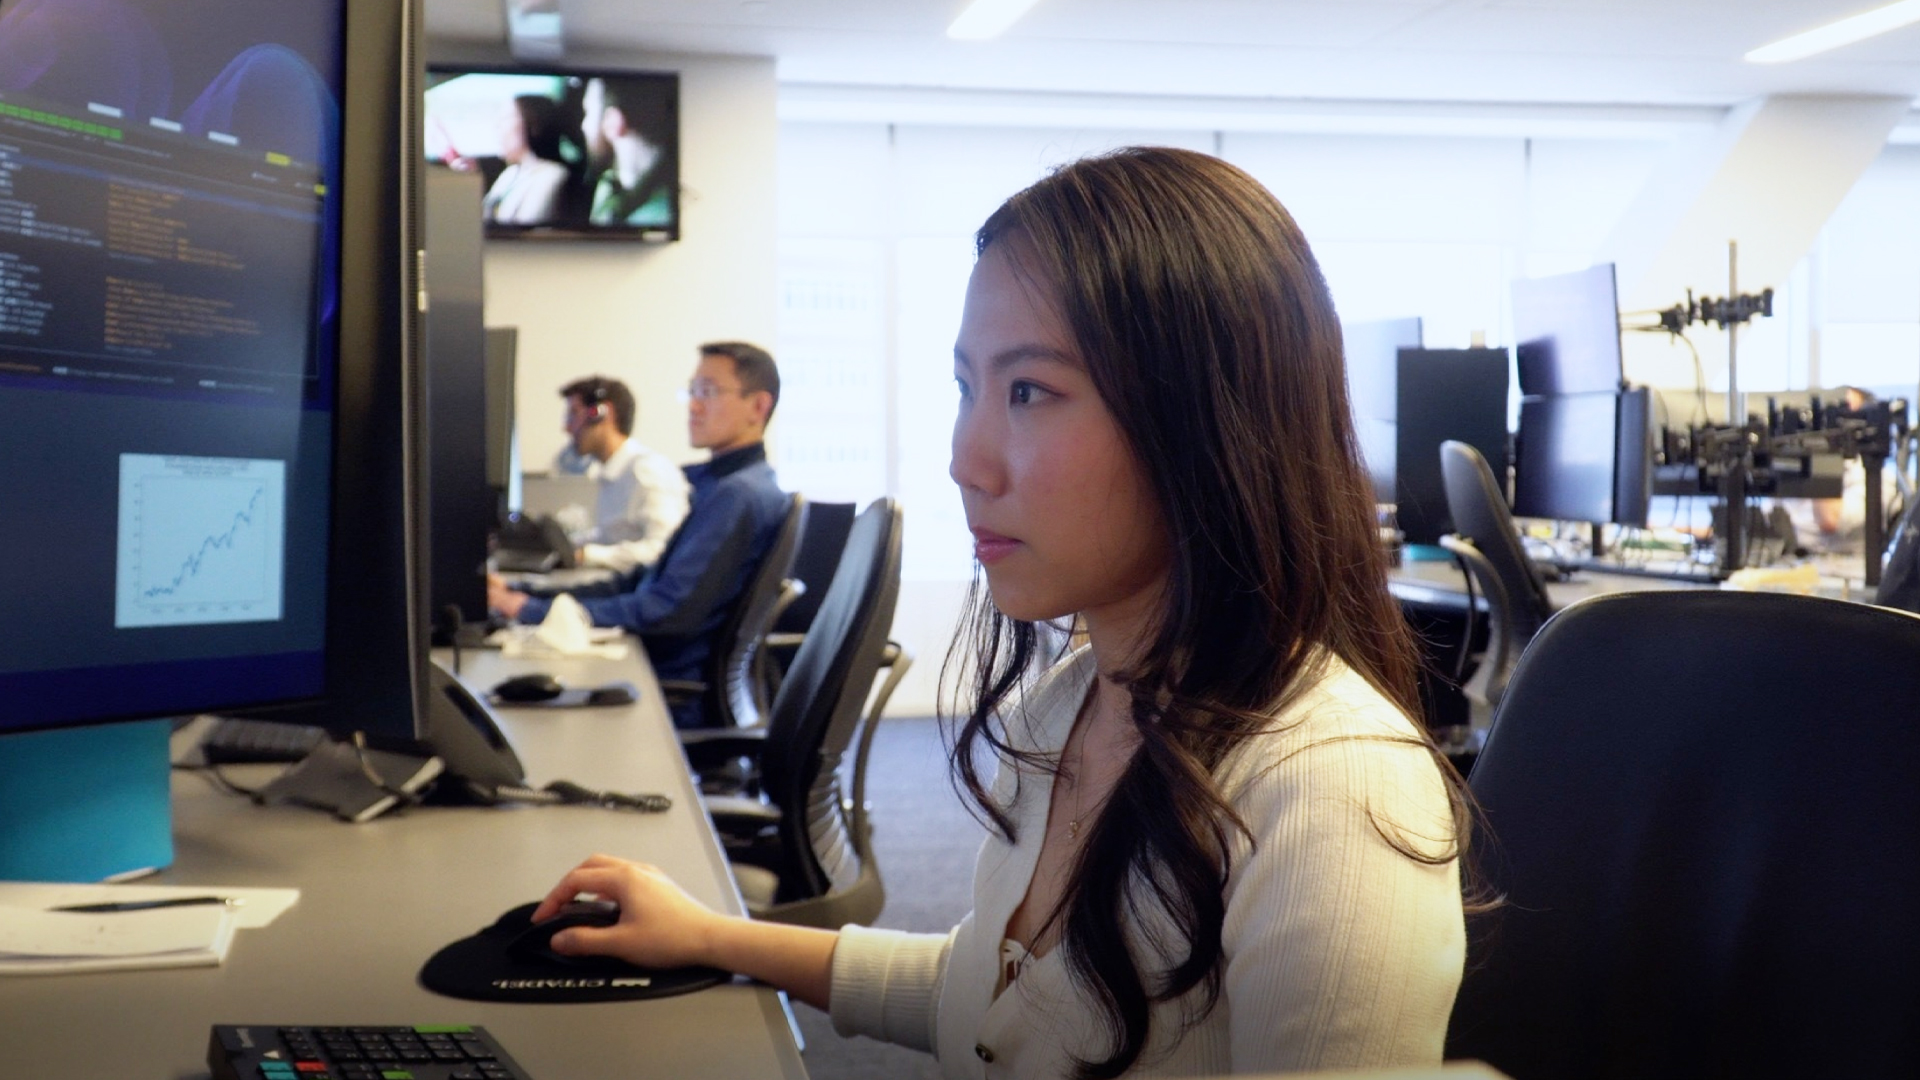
(378, 899)
(1442, 584)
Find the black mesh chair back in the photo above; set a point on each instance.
(821, 542)
(734, 696)
(824, 537)
(1701, 809)
(1479, 512)
(818, 711)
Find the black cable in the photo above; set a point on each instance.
(568, 793)
(219, 780)
(451, 620)
(372, 775)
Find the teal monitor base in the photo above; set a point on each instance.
(86, 804)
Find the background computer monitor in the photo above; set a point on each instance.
(1373, 359)
(1567, 329)
(465, 506)
(1443, 394)
(503, 451)
(1584, 458)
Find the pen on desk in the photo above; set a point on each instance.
(149, 905)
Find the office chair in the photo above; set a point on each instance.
(732, 694)
(1900, 580)
(1487, 543)
(821, 542)
(1700, 809)
(799, 843)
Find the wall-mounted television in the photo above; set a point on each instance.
(562, 154)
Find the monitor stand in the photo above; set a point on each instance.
(86, 804)
(456, 736)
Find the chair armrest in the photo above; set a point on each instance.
(1489, 683)
(897, 658)
(682, 689)
(708, 748)
(740, 817)
(791, 589)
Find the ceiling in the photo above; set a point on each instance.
(1570, 52)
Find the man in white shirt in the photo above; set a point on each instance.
(643, 496)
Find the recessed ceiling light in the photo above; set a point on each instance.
(1835, 34)
(984, 19)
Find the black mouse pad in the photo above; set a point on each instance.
(480, 968)
(613, 693)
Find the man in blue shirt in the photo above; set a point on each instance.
(737, 509)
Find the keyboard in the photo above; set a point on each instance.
(516, 561)
(234, 741)
(438, 1052)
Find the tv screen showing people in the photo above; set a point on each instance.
(562, 154)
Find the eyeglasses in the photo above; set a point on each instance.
(706, 391)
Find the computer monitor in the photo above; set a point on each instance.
(503, 452)
(1584, 458)
(170, 306)
(207, 384)
(1373, 359)
(465, 507)
(1443, 394)
(1568, 332)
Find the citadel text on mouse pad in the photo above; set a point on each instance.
(480, 968)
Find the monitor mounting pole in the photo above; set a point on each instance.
(1736, 407)
(1735, 483)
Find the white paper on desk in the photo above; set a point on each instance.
(34, 942)
(257, 907)
(567, 631)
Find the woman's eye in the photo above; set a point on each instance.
(1026, 393)
(960, 384)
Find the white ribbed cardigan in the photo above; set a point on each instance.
(1340, 951)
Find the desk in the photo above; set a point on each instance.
(1433, 596)
(378, 899)
(1442, 584)
(582, 580)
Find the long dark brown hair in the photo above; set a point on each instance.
(1205, 325)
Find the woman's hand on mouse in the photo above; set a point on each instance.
(660, 925)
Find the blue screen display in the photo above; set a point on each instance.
(169, 281)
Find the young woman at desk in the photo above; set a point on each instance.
(1218, 842)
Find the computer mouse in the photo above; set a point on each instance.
(534, 686)
(613, 694)
(534, 944)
